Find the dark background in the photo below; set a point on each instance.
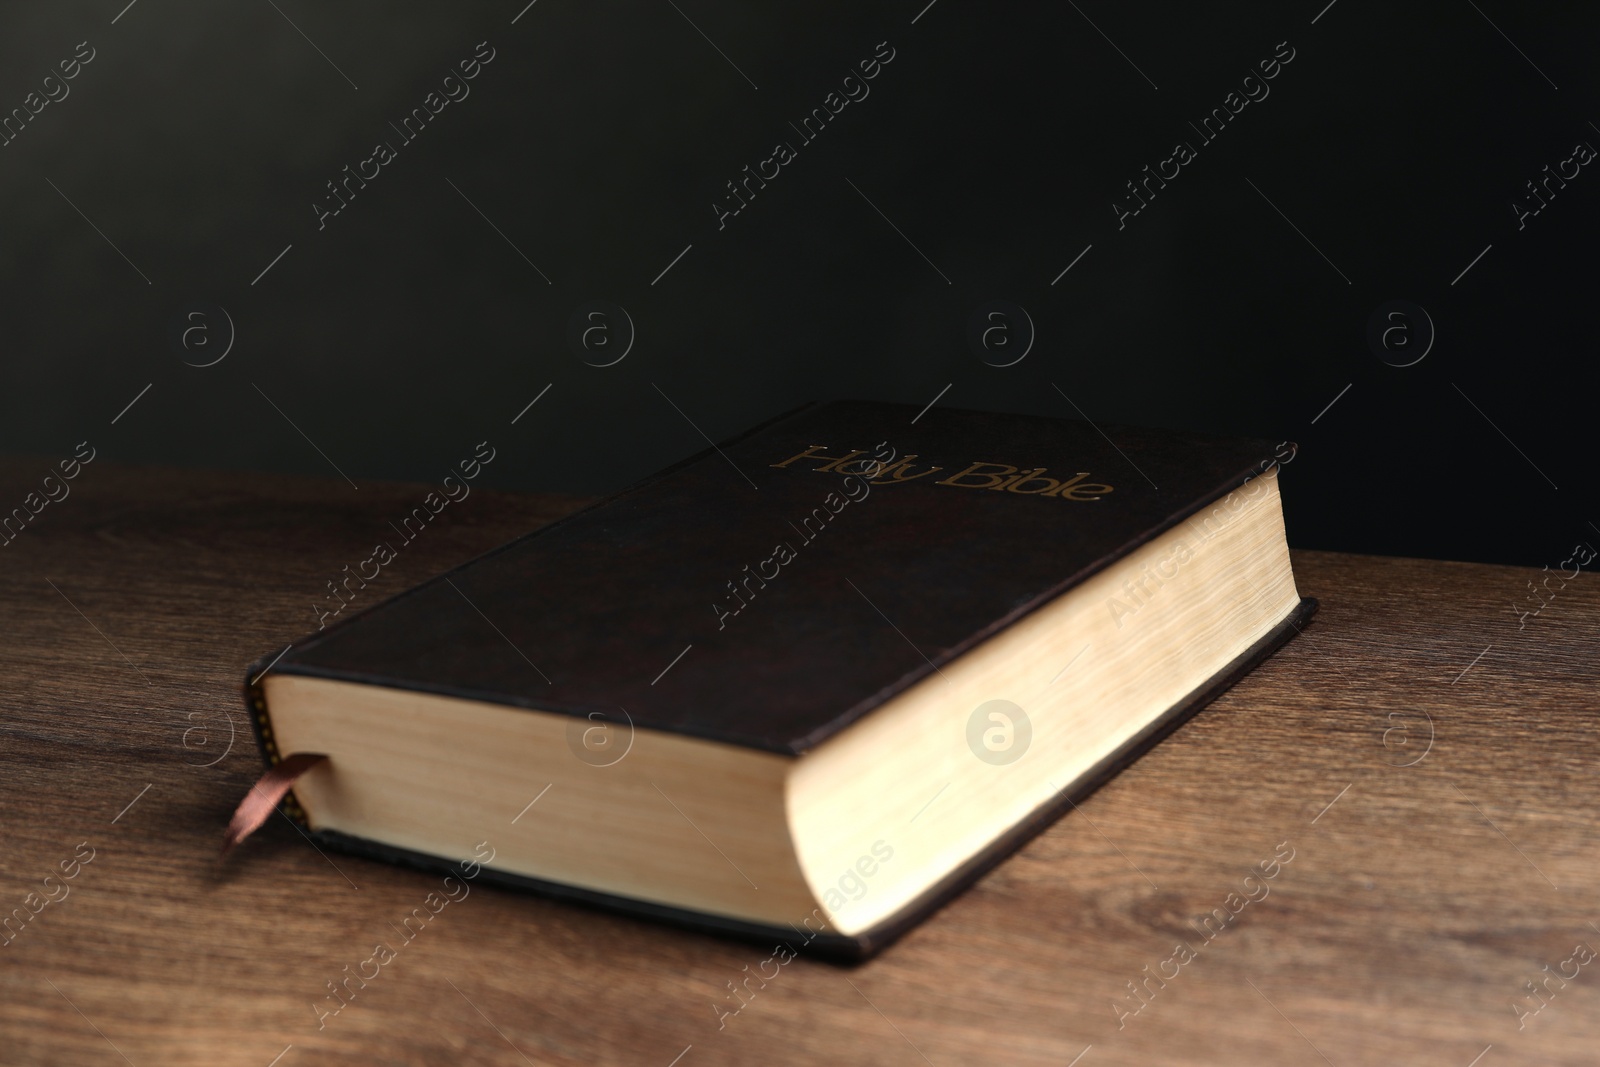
(596, 141)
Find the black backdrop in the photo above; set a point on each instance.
(585, 160)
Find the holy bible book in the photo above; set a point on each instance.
(805, 686)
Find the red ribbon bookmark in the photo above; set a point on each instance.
(257, 805)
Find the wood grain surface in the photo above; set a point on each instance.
(1429, 762)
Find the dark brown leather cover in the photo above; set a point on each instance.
(875, 597)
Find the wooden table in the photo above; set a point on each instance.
(1430, 764)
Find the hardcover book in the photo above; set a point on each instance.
(804, 686)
